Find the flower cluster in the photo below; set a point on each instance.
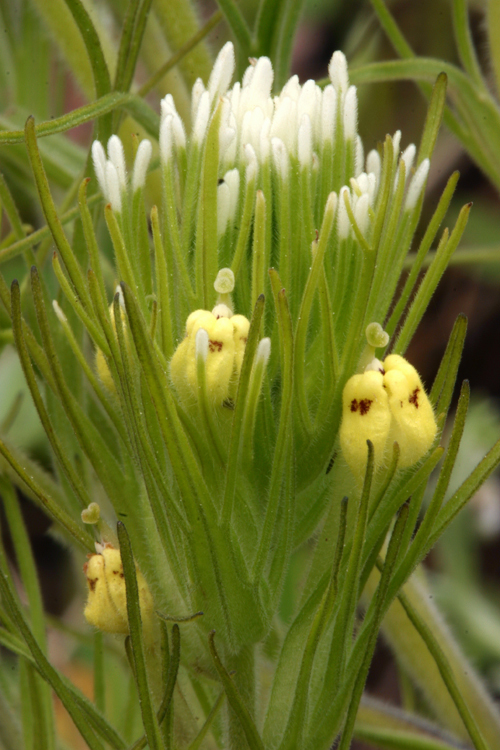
(386, 404)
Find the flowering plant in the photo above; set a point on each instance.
(243, 409)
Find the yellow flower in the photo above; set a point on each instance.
(227, 336)
(386, 404)
(106, 606)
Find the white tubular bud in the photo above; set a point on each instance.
(117, 157)
(166, 140)
(141, 164)
(222, 72)
(291, 88)
(232, 180)
(224, 283)
(417, 185)
(201, 344)
(263, 351)
(196, 92)
(408, 156)
(343, 223)
(99, 162)
(60, 315)
(337, 70)
(359, 156)
(265, 141)
(252, 163)
(374, 164)
(304, 142)
(361, 213)
(178, 132)
(167, 106)
(308, 101)
(372, 187)
(328, 113)
(283, 125)
(362, 182)
(223, 201)
(396, 144)
(261, 81)
(114, 193)
(280, 158)
(226, 138)
(375, 365)
(202, 117)
(351, 114)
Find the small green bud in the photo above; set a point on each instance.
(376, 336)
(92, 514)
(224, 283)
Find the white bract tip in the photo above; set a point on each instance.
(304, 142)
(252, 163)
(99, 161)
(396, 144)
(141, 164)
(178, 131)
(166, 139)
(167, 106)
(201, 344)
(116, 155)
(232, 180)
(359, 158)
(202, 116)
(280, 158)
(331, 203)
(374, 164)
(328, 113)
(222, 72)
(337, 70)
(361, 213)
(60, 315)
(224, 283)
(417, 185)
(223, 199)
(263, 350)
(408, 156)
(114, 193)
(343, 223)
(196, 92)
(351, 114)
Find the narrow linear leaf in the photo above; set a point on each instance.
(235, 700)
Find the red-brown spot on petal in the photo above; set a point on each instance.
(413, 399)
(215, 345)
(354, 405)
(92, 583)
(364, 406)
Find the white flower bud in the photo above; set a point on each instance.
(114, 193)
(361, 213)
(328, 113)
(374, 164)
(222, 311)
(167, 106)
(117, 157)
(263, 350)
(222, 72)
(202, 116)
(343, 223)
(337, 70)
(178, 132)
(223, 200)
(232, 180)
(408, 156)
(196, 93)
(417, 185)
(99, 161)
(142, 159)
(304, 142)
(166, 139)
(252, 163)
(350, 114)
(359, 156)
(280, 158)
(396, 145)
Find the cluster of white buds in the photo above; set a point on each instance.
(111, 171)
